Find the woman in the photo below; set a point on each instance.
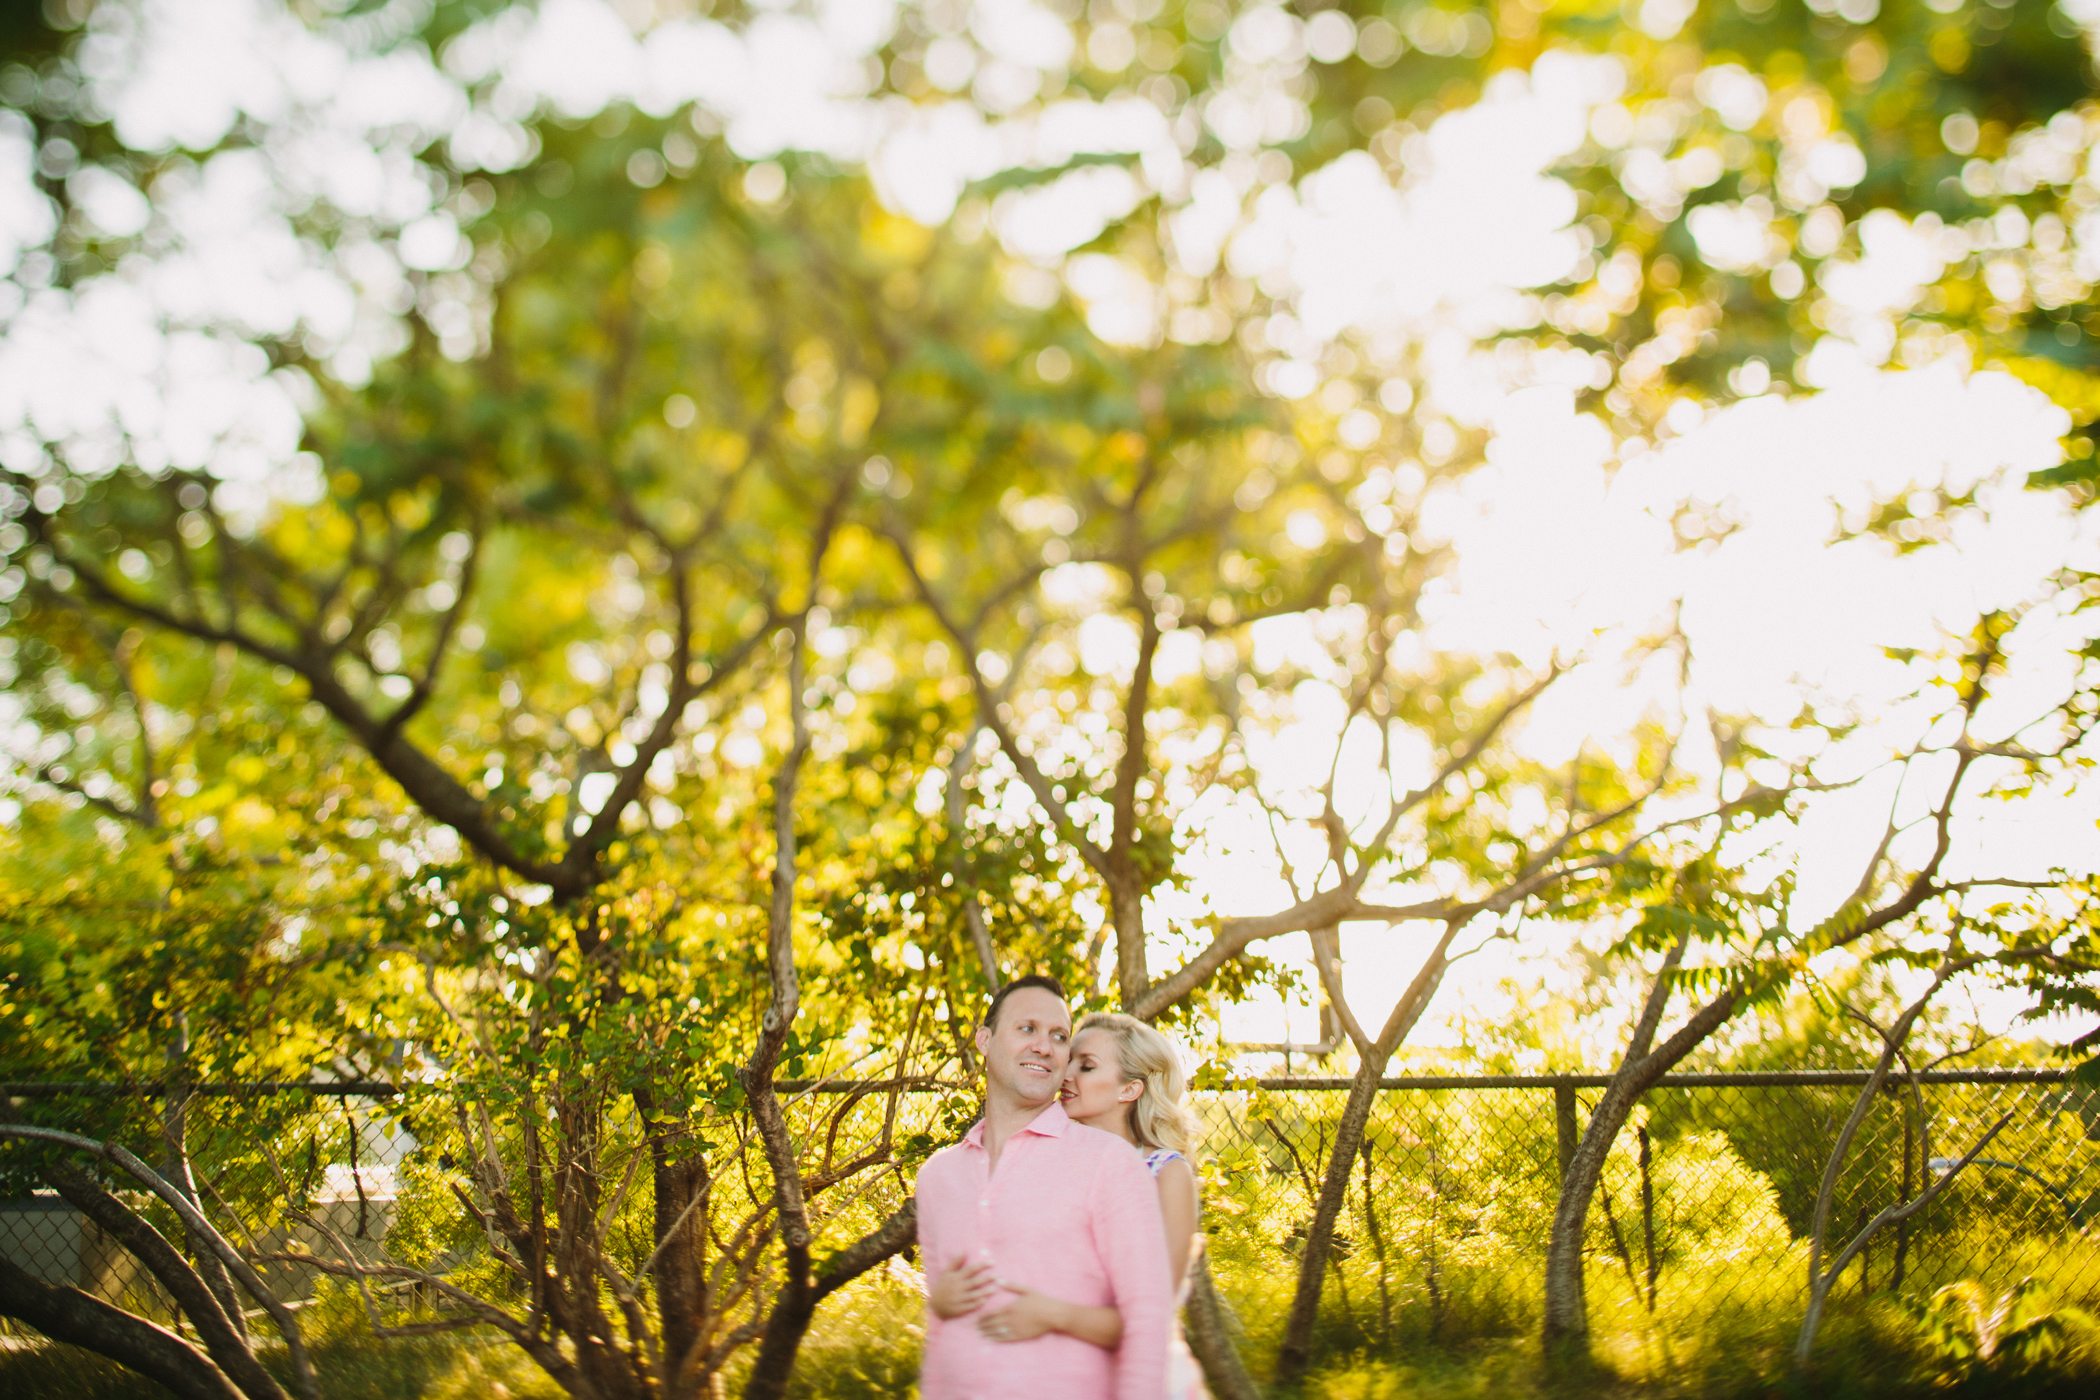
(1124, 1078)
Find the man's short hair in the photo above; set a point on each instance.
(1033, 979)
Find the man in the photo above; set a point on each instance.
(1031, 1200)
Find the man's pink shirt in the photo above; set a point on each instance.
(1071, 1212)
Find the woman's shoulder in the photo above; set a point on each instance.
(1156, 1160)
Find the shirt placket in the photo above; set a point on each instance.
(987, 1350)
(973, 1342)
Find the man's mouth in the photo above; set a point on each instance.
(1029, 1068)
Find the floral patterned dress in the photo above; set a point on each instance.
(1184, 1376)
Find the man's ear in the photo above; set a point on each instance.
(983, 1038)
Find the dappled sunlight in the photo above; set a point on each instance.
(580, 581)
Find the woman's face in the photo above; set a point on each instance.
(1095, 1089)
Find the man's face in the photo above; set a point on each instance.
(1025, 1053)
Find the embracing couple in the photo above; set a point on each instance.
(1056, 1235)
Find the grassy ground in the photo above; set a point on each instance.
(1869, 1350)
(459, 1370)
(419, 1369)
(350, 1362)
(866, 1348)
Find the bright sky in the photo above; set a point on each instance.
(1563, 536)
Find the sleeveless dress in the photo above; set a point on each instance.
(1184, 1376)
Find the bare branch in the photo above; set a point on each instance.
(989, 716)
(1892, 1041)
(958, 865)
(1327, 959)
(426, 683)
(1338, 904)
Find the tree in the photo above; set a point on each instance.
(672, 442)
(1822, 1277)
(1113, 666)
(524, 620)
(1744, 930)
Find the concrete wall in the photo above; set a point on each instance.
(51, 1241)
(41, 1235)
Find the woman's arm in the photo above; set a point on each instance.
(1177, 1203)
(1031, 1314)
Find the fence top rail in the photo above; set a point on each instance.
(1720, 1079)
(1727, 1079)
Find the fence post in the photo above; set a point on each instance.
(1910, 1142)
(1648, 1216)
(1564, 1124)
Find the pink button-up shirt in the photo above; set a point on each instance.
(1071, 1212)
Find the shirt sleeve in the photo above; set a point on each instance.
(930, 1260)
(1132, 1239)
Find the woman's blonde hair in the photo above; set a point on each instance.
(1158, 1117)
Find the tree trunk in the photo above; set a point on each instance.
(71, 1316)
(1319, 1240)
(1372, 1058)
(795, 1306)
(1126, 910)
(1819, 1287)
(1820, 1280)
(175, 1166)
(680, 1233)
(1567, 1309)
(796, 1301)
(575, 1299)
(793, 1303)
(1567, 1323)
(229, 1349)
(1210, 1338)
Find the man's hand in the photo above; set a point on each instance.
(1028, 1316)
(961, 1288)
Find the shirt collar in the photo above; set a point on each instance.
(1051, 1122)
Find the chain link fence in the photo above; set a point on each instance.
(1707, 1201)
(341, 1155)
(1700, 1227)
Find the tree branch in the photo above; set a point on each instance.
(427, 682)
(201, 1230)
(71, 1316)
